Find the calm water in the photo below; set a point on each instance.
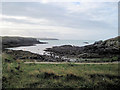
(39, 48)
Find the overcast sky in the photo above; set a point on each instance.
(67, 20)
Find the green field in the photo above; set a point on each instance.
(16, 74)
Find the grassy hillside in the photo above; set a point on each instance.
(16, 74)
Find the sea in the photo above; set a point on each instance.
(39, 48)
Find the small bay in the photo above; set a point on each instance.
(39, 48)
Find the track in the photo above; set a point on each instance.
(70, 63)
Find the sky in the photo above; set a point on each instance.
(62, 20)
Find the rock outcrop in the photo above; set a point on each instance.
(107, 48)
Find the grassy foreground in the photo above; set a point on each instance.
(16, 74)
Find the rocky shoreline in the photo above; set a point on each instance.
(108, 48)
(101, 51)
(28, 56)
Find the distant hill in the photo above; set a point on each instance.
(8, 42)
(47, 39)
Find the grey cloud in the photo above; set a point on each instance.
(59, 16)
(52, 13)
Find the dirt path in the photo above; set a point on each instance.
(70, 62)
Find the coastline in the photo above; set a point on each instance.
(40, 71)
(67, 53)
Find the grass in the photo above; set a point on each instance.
(16, 74)
(112, 59)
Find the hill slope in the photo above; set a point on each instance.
(8, 42)
(105, 48)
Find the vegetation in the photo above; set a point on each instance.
(16, 74)
(97, 60)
